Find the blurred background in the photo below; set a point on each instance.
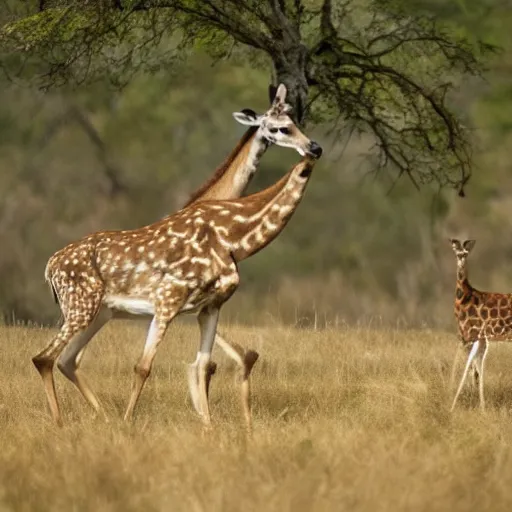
(359, 249)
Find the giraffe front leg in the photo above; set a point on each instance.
(193, 381)
(202, 369)
(475, 372)
(472, 354)
(143, 367)
(479, 369)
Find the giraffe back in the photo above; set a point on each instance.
(137, 271)
(483, 314)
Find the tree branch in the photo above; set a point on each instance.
(376, 69)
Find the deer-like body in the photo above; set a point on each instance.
(186, 262)
(482, 317)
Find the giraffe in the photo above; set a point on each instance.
(231, 179)
(275, 126)
(482, 317)
(184, 263)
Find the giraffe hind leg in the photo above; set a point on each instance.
(208, 319)
(245, 360)
(79, 308)
(69, 360)
(44, 362)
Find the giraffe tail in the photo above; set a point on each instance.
(49, 281)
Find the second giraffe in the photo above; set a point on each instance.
(482, 317)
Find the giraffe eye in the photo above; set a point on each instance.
(286, 131)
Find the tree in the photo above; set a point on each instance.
(359, 66)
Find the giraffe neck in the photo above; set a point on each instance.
(264, 215)
(462, 272)
(233, 176)
(462, 286)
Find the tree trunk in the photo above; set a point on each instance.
(290, 69)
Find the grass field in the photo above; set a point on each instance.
(348, 419)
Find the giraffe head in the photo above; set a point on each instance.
(277, 127)
(462, 249)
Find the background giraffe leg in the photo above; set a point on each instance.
(478, 368)
(475, 376)
(245, 360)
(67, 362)
(475, 373)
(193, 384)
(143, 367)
(471, 356)
(45, 360)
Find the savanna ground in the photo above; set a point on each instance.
(345, 419)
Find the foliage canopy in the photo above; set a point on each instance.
(358, 66)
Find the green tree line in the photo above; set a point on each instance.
(75, 159)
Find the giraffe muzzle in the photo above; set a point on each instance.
(315, 149)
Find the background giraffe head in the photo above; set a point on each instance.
(462, 249)
(277, 127)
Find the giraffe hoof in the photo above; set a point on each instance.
(250, 358)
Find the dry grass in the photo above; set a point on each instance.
(344, 420)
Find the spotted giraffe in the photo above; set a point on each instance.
(482, 317)
(231, 179)
(185, 263)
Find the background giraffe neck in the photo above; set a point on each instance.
(265, 214)
(232, 177)
(462, 272)
(462, 286)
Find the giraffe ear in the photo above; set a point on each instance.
(457, 246)
(247, 117)
(469, 244)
